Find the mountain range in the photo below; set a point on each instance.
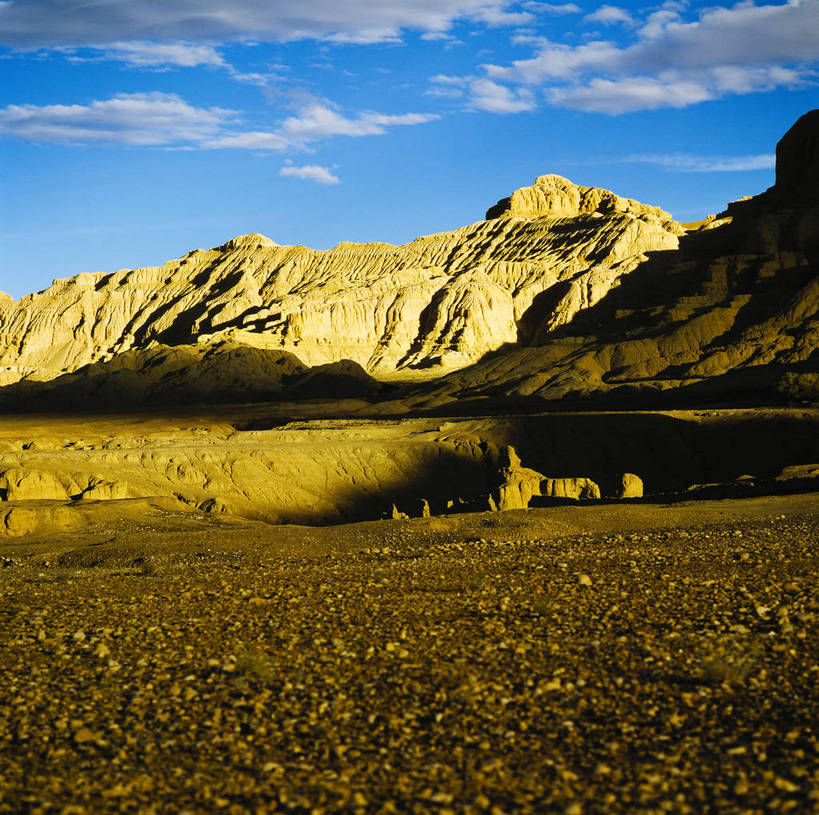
(561, 292)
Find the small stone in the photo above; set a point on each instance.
(102, 651)
(84, 735)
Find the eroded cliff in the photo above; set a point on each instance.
(735, 308)
(437, 303)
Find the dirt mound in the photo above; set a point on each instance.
(189, 374)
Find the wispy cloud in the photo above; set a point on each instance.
(317, 120)
(165, 56)
(446, 79)
(259, 140)
(49, 23)
(444, 92)
(529, 39)
(495, 14)
(174, 54)
(311, 172)
(609, 15)
(553, 8)
(494, 98)
(482, 94)
(630, 94)
(145, 119)
(686, 163)
(671, 89)
(160, 119)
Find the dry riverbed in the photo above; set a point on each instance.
(473, 664)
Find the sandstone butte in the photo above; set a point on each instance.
(436, 304)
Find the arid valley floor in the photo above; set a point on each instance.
(629, 658)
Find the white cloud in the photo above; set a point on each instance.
(250, 140)
(441, 36)
(146, 119)
(364, 36)
(671, 89)
(50, 23)
(629, 94)
(317, 120)
(741, 36)
(152, 54)
(683, 162)
(445, 93)
(313, 172)
(553, 8)
(160, 119)
(558, 61)
(444, 79)
(530, 39)
(495, 15)
(163, 56)
(262, 80)
(674, 63)
(733, 79)
(655, 23)
(609, 15)
(489, 96)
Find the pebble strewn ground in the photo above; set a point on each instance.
(668, 671)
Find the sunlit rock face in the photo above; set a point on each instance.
(438, 303)
(736, 304)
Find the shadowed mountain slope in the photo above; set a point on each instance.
(735, 308)
(186, 374)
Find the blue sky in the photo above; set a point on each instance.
(132, 131)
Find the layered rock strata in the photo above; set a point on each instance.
(437, 303)
(735, 308)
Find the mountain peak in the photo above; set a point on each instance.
(252, 239)
(556, 197)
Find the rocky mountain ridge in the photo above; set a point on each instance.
(435, 304)
(735, 308)
(562, 292)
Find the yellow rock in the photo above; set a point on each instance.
(577, 488)
(518, 484)
(437, 303)
(22, 484)
(631, 486)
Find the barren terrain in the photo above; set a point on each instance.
(293, 463)
(248, 558)
(617, 658)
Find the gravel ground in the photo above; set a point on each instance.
(663, 671)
